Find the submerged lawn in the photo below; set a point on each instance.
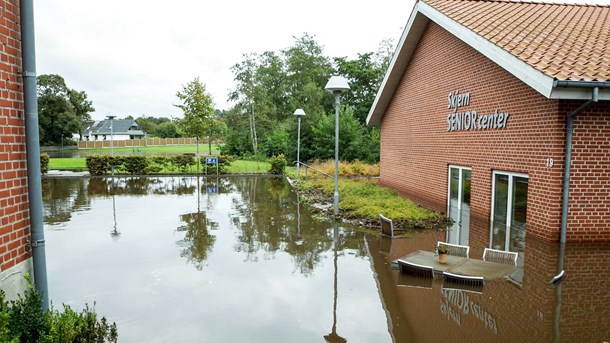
(365, 199)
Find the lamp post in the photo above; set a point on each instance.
(337, 85)
(299, 113)
(112, 141)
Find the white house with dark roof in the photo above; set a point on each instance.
(120, 129)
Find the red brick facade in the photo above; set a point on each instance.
(417, 148)
(14, 206)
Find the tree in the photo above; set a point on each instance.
(81, 107)
(198, 109)
(351, 136)
(364, 75)
(167, 130)
(56, 114)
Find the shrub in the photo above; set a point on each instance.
(183, 162)
(135, 164)
(23, 320)
(44, 163)
(223, 163)
(98, 164)
(278, 164)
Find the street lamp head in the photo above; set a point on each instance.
(337, 84)
(299, 113)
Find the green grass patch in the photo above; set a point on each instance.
(156, 150)
(249, 167)
(70, 164)
(365, 199)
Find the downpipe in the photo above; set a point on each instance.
(28, 53)
(568, 162)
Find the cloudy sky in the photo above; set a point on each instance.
(131, 56)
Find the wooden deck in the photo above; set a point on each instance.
(462, 265)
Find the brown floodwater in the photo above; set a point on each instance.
(240, 259)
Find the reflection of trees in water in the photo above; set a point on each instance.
(197, 242)
(61, 197)
(269, 220)
(66, 195)
(143, 185)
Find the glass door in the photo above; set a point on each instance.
(458, 205)
(509, 211)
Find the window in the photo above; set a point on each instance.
(509, 211)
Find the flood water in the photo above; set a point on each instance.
(240, 259)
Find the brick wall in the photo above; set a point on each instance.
(590, 177)
(14, 217)
(417, 148)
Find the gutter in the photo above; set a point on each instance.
(28, 54)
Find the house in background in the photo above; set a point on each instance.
(498, 114)
(121, 130)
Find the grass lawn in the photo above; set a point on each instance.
(71, 164)
(156, 150)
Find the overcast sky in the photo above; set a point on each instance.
(132, 56)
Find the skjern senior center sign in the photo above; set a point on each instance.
(471, 120)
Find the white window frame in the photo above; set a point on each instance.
(459, 209)
(509, 210)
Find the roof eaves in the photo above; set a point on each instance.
(402, 55)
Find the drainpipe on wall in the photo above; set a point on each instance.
(568, 161)
(28, 53)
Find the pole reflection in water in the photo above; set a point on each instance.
(299, 238)
(333, 337)
(115, 234)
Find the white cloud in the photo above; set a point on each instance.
(131, 57)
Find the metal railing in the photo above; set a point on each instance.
(307, 167)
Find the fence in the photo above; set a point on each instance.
(134, 143)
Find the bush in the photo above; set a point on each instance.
(135, 164)
(44, 163)
(23, 321)
(278, 164)
(223, 163)
(183, 162)
(98, 164)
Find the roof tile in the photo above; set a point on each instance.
(564, 41)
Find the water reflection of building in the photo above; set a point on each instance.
(575, 310)
(477, 123)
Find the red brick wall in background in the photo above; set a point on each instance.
(417, 148)
(14, 216)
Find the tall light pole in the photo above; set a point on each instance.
(112, 141)
(337, 85)
(299, 113)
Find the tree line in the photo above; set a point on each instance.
(269, 87)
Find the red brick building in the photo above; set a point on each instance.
(14, 206)
(474, 120)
